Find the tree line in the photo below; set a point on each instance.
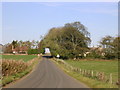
(73, 41)
(21, 47)
(69, 41)
(111, 47)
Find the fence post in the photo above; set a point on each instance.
(77, 70)
(85, 73)
(89, 73)
(92, 73)
(103, 76)
(74, 69)
(80, 70)
(110, 79)
(71, 68)
(97, 75)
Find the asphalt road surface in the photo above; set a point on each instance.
(47, 75)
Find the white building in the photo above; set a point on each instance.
(47, 50)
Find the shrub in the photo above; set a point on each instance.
(10, 67)
(33, 51)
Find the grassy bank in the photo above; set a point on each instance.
(97, 65)
(15, 69)
(93, 83)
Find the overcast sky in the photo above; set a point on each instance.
(29, 20)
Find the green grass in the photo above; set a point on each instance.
(101, 66)
(19, 57)
(92, 83)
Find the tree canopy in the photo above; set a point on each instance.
(69, 41)
(111, 46)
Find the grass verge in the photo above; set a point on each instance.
(8, 79)
(92, 83)
(106, 66)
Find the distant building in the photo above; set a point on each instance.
(98, 50)
(20, 50)
(58, 55)
(47, 50)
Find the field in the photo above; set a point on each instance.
(16, 66)
(81, 70)
(101, 66)
(19, 57)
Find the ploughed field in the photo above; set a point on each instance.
(19, 57)
(107, 66)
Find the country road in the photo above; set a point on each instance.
(47, 75)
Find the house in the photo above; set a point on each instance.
(20, 50)
(98, 50)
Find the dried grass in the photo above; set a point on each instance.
(10, 67)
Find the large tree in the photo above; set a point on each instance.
(14, 44)
(68, 41)
(20, 46)
(111, 46)
(116, 47)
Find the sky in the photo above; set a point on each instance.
(60, 0)
(29, 20)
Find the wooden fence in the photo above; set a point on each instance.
(100, 76)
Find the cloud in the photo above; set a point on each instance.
(91, 8)
(96, 10)
(60, 0)
(51, 4)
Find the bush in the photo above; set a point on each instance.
(10, 67)
(33, 51)
(109, 56)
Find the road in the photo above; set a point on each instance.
(47, 75)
